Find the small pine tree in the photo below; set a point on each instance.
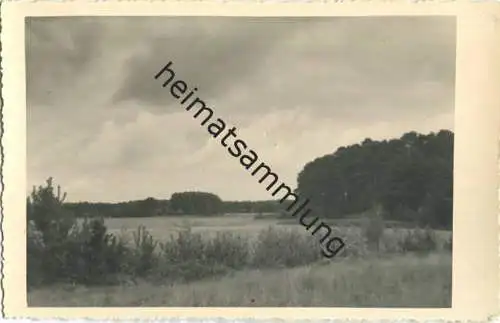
(59, 249)
(49, 225)
(45, 210)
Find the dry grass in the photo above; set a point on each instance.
(399, 281)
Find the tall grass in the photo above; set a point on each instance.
(404, 281)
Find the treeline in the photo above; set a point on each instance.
(253, 207)
(142, 208)
(411, 177)
(182, 203)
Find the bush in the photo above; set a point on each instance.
(284, 248)
(186, 246)
(187, 256)
(48, 228)
(46, 213)
(145, 258)
(59, 249)
(229, 249)
(96, 255)
(419, 240)
(355, 242)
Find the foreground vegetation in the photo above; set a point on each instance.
(403, 281)
(378, 266)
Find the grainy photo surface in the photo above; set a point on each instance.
(277, 162)
(240, 161)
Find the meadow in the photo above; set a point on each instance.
(248, 260)
(404, 281)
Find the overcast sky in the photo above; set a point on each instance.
(295, 89)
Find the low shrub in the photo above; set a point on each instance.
(284, 248)
(355, 242)
(227, 248)
(60, 249)
(185, 246)
(145, 259)
(419, 240)
(188, 256)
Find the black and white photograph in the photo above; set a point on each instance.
(240, 161)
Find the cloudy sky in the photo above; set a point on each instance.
(295, 89)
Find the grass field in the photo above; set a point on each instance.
(403, 281)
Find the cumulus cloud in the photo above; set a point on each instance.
(296, 89)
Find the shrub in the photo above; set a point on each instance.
(284, 248)
(88, 256)
(183, 247)
(392, 242)
(100, 254)
(228, 249)
(49, 225)
(45, 210)
(419, 240)
(145, 258)
(355, 242)
(187, 256)
(60, 249)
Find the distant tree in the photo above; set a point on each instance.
(148, 207)
(196, 203)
